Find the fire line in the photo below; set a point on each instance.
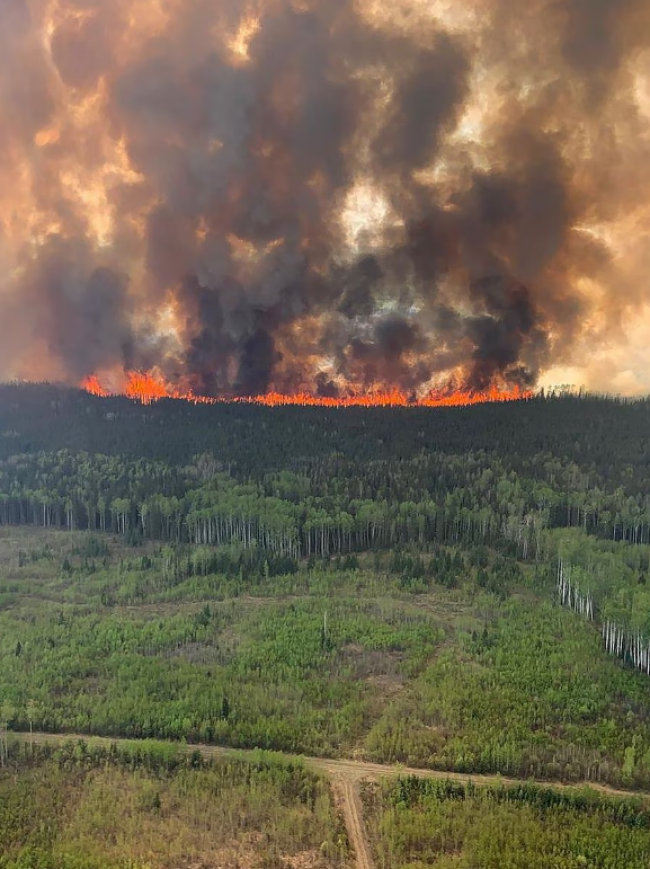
(147, 389)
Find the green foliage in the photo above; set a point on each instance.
(254, 672)
(531, 695)
(418, 823)
(88, 807)
(368, 581)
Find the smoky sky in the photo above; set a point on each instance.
(324, 196)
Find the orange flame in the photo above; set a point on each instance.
(148, 388)
(93, 386)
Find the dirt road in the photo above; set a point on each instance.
(346, 793)
(345, 776)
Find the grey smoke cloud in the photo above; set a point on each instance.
(174, 185)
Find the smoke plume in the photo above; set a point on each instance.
(325, 195)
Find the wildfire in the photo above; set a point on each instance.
(148, 388)
(93, 386)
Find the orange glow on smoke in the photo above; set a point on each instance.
(148, 388)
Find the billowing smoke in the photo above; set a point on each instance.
(324, 195)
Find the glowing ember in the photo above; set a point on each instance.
(148, 388)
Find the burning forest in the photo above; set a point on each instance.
(325, 201)
(147, 389)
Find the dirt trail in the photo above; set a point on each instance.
(346, 791)
(358, 770)
(345, 776)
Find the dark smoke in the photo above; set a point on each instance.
(223, 259)
(499, 339)
(258, 359)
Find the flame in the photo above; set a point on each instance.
(448, 397)
(93, 386)
(149, 387)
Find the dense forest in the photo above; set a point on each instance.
(458, 589)
(508, 477)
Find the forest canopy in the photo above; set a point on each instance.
(461, 590)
